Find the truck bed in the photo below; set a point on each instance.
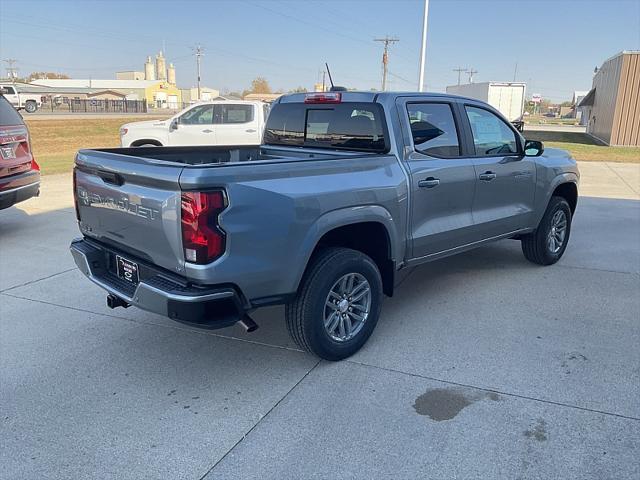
(213, 155)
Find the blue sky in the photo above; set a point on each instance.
(556, 44)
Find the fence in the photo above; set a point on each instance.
(75, 105)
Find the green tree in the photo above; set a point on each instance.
(298, 90)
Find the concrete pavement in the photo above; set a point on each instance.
(482, 366)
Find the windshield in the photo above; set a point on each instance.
(343, 126)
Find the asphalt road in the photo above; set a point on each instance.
(482, 366)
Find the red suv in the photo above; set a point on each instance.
(19, 172)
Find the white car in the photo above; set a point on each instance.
(220, 122)
(21, 101)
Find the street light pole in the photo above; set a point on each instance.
(423, 49)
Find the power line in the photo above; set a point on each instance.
(401, 78)
(307, 22)
(385, 57)
(460, 70)
(83, 30)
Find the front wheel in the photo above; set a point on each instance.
(547, 244)
(31, 106)
(337, 305)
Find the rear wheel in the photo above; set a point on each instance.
(337, 305)
(31, 106)
(547, 244)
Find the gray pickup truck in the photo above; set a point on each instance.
(348, 191)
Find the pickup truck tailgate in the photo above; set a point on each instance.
(131, 204)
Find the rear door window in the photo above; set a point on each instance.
(8, 114)
(433, 129)
(345, 126)
(232, 113)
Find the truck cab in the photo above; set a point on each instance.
(20, 101)
(223, 122)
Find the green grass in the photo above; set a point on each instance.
(55, 142)
(584, 148)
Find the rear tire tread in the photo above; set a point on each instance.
(300, 309)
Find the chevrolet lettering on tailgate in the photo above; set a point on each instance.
(124, 204)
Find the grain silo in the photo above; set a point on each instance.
(171, 74)
(149, 71)
(161, 67)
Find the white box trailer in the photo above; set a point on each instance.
(506, 97)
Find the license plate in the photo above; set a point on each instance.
(127, 270)
(7, 153)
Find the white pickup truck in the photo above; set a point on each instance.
(221, 122)
(19, 100)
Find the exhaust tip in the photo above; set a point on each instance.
(248, 324)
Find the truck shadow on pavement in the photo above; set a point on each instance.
(451, 280)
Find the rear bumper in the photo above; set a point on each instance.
(18, 188)
(208, 307)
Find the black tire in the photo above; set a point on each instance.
(305, 314)
(31, 106)
(535, 245)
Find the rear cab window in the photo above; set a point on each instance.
(357, 126)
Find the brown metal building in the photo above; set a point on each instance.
(612, 105)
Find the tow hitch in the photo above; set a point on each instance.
(113, 302)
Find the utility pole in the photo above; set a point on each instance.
(423, 49)
(385, 57)
(12, 72)
(460, 70)
(198, 55)
(515, 72)
(471, 72)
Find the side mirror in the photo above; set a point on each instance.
(3, 91)
(533, 148)
(173, 125)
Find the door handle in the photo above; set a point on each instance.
(207, 131)
(487, 176)
(429, 182)
(251, 130)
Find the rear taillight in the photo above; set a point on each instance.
(34, 165)
(202, 238)
(75, 194)
(326, 97)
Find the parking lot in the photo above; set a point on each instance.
(482, 366)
